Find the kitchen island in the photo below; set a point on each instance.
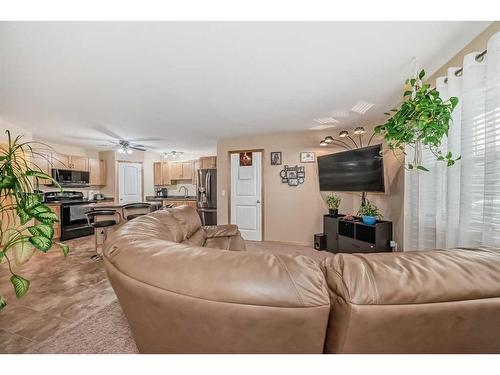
(173, 201)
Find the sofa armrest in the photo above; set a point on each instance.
(228, 230)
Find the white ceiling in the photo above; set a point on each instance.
(191, 83)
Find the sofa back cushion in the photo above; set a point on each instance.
(169, 224)
(188, 219)
(444, 301)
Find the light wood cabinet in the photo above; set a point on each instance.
(182, 170)
(41, 162)
(60, 161)
(161, 174)
(78, 163)
(208, 162)
(97, 172)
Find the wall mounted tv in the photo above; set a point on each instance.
(357, 170)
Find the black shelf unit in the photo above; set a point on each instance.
(353, 236)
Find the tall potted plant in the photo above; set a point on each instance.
(27, 224)
(333, 203)
(421, 122)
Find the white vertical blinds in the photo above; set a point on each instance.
(460, 205)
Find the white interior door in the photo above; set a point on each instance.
(246, 196)
(129, 182)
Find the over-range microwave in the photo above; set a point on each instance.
(67, 177)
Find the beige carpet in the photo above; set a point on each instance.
(107, 330)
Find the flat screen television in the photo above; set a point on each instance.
(360, 170)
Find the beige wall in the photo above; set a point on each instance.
(295, 214)
(478, 44)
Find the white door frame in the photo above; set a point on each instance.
(261, 150)
(117, 178)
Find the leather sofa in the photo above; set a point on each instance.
(184, 289)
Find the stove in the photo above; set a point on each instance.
(74, 223)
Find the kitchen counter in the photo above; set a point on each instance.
(171, 198)
(113, 205)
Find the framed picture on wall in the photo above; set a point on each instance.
(276, 158)
(308, 157)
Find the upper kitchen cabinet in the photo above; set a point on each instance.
(97, 172)
(161, 174)
(182, 170)
(41, 162)
(208, 162)
(78, 163)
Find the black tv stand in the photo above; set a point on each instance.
(353, 236)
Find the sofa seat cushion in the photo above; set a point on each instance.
(415, 276)
(212, 231)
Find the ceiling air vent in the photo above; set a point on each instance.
(361, 107)
(322, 127)
(326, 121)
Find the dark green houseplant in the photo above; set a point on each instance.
(422, 121)
(27, 224)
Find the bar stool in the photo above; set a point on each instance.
(101, 225)
(132, 206)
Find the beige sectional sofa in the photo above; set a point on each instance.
(184, 289)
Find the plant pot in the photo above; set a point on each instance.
(369, 220)
(334, 212)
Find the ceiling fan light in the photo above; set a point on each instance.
(359, 130)
(343, 134)
(323, 143)
(328, 139)
(121, 150)
(129, 151)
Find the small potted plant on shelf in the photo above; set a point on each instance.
(369, 213)
(333, 202)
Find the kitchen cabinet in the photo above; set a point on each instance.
(161, 174)
(41, 162)
(182, 170)
(208, 162)
(77, 163)
(97, 172)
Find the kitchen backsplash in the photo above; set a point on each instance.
(173, 190)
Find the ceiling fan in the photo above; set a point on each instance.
(123, 146)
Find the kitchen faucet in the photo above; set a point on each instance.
(185, 191)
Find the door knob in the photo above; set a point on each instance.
(258, 201)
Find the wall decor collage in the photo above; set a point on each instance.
(293, 175)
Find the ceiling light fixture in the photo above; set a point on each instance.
(359, 131)
(173, 154)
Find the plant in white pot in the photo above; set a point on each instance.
(369, 213)
(333, 203)
(421, 122)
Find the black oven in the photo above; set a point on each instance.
(73, 220)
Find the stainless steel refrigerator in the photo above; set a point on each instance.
(207, 195)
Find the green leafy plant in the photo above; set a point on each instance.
(422, 120)
(26, 223)
(333, 201)
(369, 209)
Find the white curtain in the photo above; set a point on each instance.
(460, 205)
